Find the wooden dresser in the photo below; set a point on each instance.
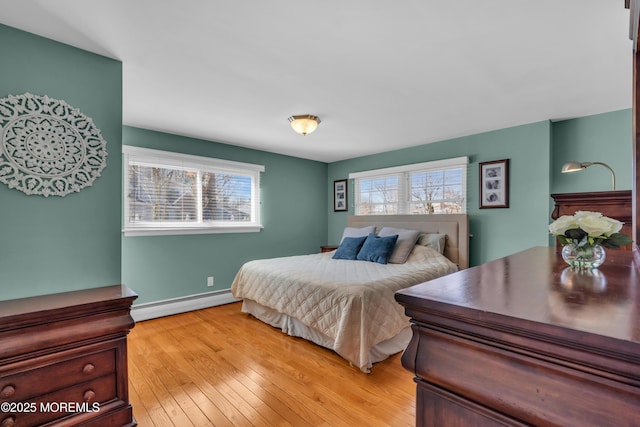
(63, 359)
(524, 340)
(614, 204)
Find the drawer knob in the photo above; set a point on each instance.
(7, 391)
(88, 368)
(88, 395)
(8, 422)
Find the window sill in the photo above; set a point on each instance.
(168, 231)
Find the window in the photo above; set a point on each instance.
(173, 193)
(438, 187)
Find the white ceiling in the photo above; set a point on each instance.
(380, 74)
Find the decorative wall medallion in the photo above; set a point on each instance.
(47, 146)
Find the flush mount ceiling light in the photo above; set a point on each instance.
(304, 124)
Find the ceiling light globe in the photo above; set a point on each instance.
(304, 124)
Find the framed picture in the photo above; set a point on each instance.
(340, 195)
(494, 184)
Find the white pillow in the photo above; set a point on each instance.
(420, 254)
(404, 245)
(433, 240)
(357, 232)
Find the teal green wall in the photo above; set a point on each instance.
(496, 232)
(58, 244)
(536, 152)
(293, 212)
(603, 138)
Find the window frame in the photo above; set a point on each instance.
(403, 174)
(171, 159)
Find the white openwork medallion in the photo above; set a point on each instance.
(48, 147)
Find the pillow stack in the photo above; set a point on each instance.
(390, 245)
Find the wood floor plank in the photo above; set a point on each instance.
(156, 377)
(214, 370)
(330, 400)
(178, 387)
(139, 410)
(271, 360)
(234, 383)
(148, 398)
(221, 367)
(188, 363)
(298, 365)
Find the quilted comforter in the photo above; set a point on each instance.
(351, 302)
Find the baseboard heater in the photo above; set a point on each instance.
(152, 310)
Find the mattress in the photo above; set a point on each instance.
(349, 304)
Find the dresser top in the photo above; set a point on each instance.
(48, 308)
(535, 291)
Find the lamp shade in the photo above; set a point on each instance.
(572, 167)
(304, 124)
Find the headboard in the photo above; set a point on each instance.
(455, 226)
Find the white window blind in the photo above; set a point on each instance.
(437, 187)
(173, 193)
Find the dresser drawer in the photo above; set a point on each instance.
(62, 353)
(55, 405)
(526, 386)
(41, 380)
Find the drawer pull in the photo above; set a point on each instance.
(7, 391)
(88, 395)
(88, 368)
(8, 422)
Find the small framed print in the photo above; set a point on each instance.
(340, 195)
(494, 184)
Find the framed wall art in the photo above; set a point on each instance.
(340, 196)
(48, 147)
(494, 184)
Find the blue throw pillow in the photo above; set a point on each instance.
(377, 249)
(349, 248)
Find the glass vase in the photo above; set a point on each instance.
(584, 257)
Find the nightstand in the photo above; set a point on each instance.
(328, 248)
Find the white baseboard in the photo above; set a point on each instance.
(178, 305)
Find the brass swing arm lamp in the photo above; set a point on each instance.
(576, 166)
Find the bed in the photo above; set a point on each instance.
(348, 305)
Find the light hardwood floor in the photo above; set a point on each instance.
(220, 367)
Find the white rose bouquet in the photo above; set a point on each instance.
(586, 229)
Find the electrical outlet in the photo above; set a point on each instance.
(210, 281)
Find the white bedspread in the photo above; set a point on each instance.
(351, 302)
